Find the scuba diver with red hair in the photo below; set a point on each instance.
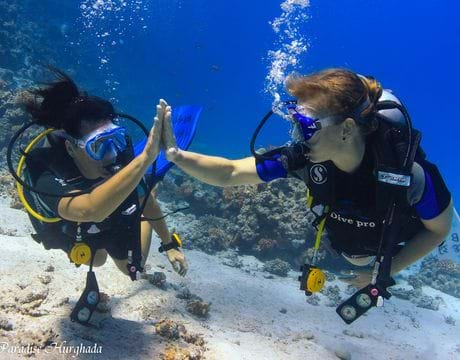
(383, 205)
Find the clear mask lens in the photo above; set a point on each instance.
(107, 143)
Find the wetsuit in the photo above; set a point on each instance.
(352, 224)
(103, 235)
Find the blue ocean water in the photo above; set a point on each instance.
(216, 53)
(231, 57)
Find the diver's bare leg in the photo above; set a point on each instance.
(100, 257)
(122, 265)
(153, 210)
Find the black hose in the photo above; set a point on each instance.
(12, 171)
(256, 133)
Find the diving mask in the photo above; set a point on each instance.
(304, 127)
(103, 143)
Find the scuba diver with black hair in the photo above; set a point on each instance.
(88, 189)
(370, 187)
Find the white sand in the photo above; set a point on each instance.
(245, 321)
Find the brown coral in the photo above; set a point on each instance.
(177, 353)
(264, 245)
(170, 329)
(194, 339)
(198, 308)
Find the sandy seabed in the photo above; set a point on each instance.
(252, 315)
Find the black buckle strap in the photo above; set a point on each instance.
(176, 243)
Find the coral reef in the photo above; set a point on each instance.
(195, 304)
(22, 41)
(269, 221)
(428, 302)
(417, 297)
(277, 267)
(158, 279)
(8, 189)
(25, 302)
(28, 42)
(443, 275)
(192, 347)
(233, 260)
(198, 308)
(170, 329)
(333, 294)
(406, 294)
(177, 353)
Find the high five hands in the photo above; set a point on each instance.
(162, 137)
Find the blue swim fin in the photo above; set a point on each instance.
(184, 121)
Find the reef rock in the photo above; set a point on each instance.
(277, 267)
(198, 308)
(269, 221)
(443, 275)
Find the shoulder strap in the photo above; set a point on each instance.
(392, 171)
(393, 174)
(127, 219)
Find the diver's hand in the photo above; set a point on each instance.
(169, 140)
(362, 279)
(152, 147)
(178, 262)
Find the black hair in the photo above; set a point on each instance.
(61, 105)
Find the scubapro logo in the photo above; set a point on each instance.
(318, 173)
(62, 182)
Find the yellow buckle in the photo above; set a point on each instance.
(80, 253)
